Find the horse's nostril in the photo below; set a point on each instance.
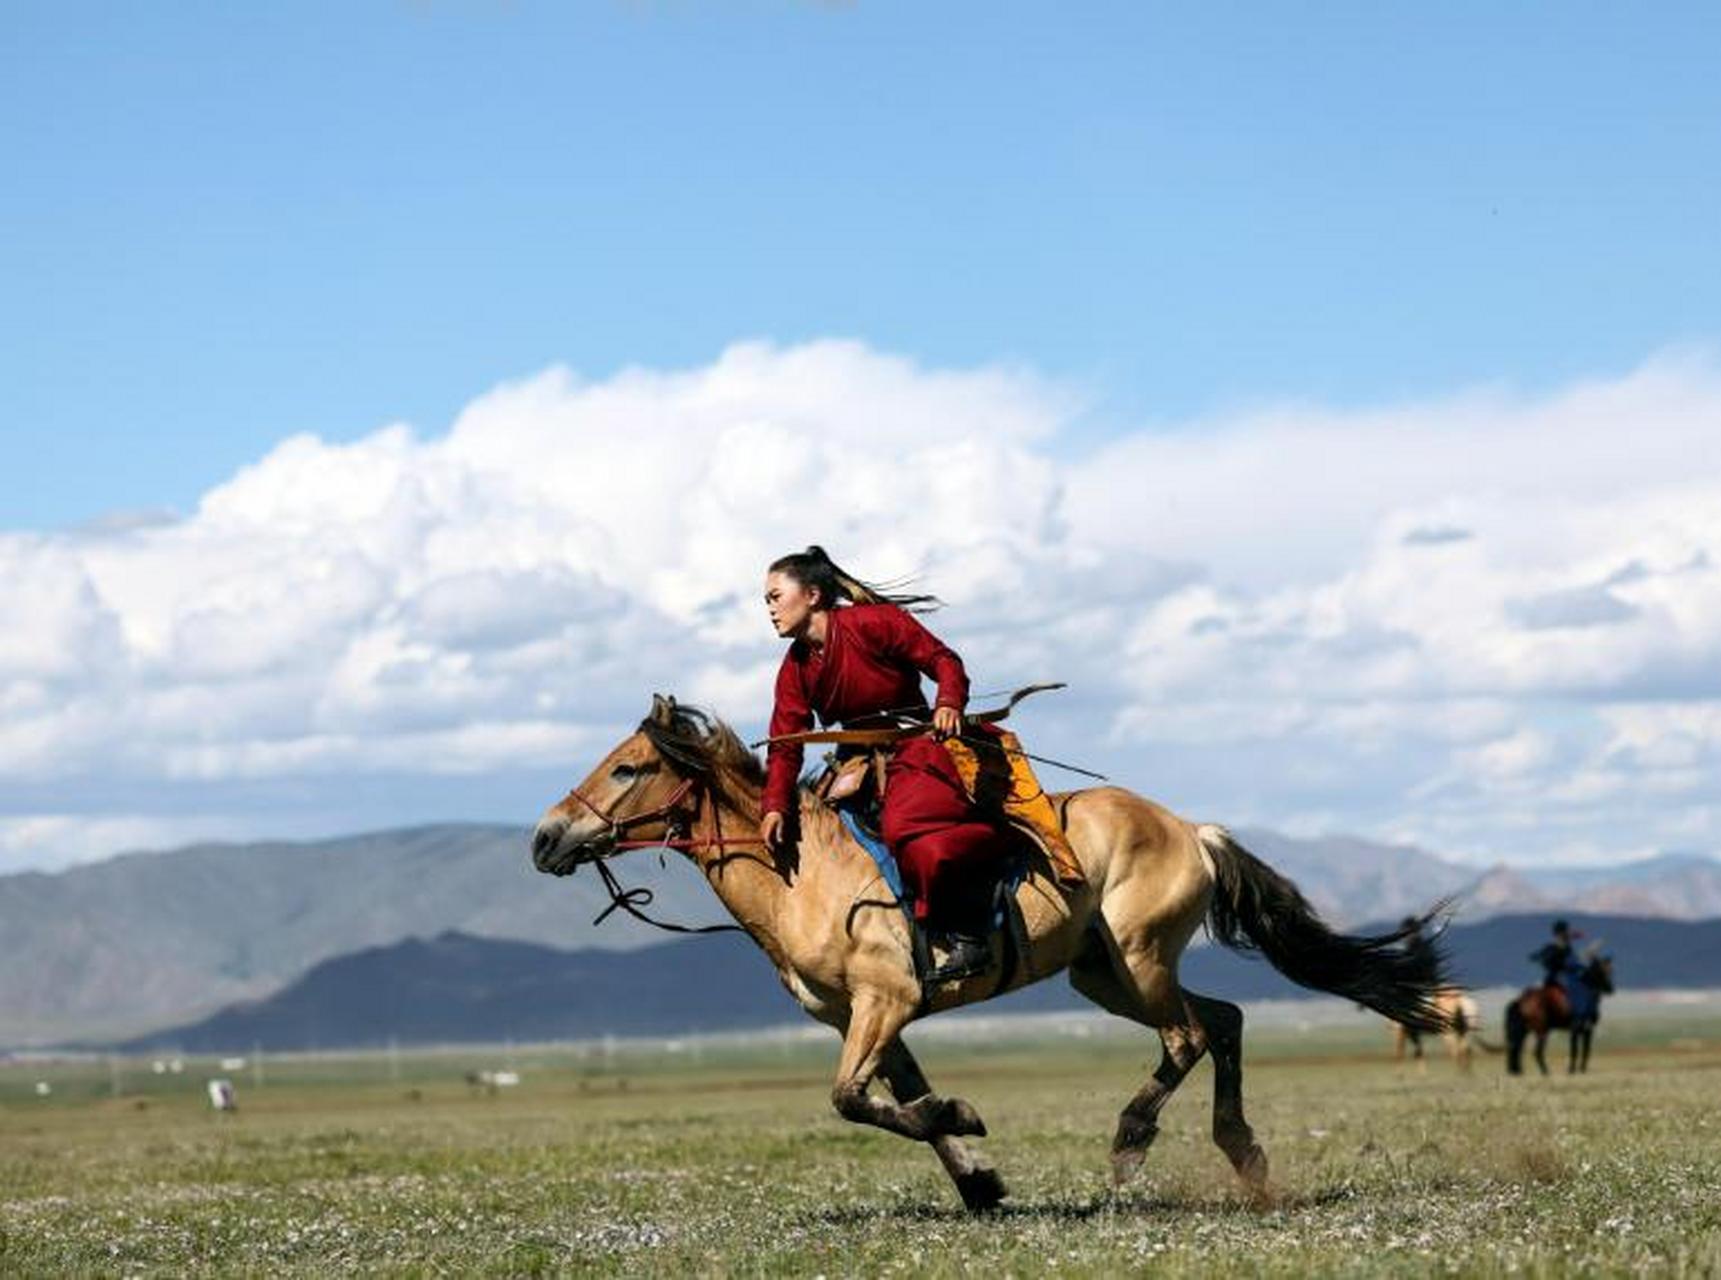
(542, 843)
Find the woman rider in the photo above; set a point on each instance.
(856, 656)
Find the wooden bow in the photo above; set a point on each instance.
(884, 737)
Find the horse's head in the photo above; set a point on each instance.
(637, 794)
(648, 789)
(1598, 973)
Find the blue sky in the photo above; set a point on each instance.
(227, 223)
(1329, 393)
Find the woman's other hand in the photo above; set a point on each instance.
(771, 829)
(946, 723)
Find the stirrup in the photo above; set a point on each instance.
(964, 958)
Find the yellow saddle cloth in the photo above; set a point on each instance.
(998, 775)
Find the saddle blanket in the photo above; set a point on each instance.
(876, 849)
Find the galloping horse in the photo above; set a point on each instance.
(841, 944)
(1540, 1010)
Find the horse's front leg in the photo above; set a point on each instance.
(976, 1181)
(1542, 1051)
(874, 1023)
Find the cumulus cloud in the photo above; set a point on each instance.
(1481, 622)
(1579, 607)
(1435, 535)
(51, 841)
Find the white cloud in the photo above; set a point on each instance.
(1490, 622)
(51, 841)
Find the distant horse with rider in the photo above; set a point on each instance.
(1570, 1000)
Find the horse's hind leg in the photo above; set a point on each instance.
(1138, 1124)
(976, 1181)
(1097, 977)
(1223, 1023)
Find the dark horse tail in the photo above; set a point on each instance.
(1254, 908)
(1517, 1029)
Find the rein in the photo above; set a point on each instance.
(675, 836)
(632, 900)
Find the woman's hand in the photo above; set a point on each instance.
(946, 723)
(771, 828)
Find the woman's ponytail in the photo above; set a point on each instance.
(814, 568)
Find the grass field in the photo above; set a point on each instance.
(725, 1157)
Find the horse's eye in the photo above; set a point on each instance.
(623, 773)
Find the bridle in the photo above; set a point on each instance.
(677, 834)
(676, 824)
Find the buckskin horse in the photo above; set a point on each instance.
(841, 944)
(1462, 1019)
(1542, 1009)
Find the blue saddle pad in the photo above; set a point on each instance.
(879, 852)
(885, 861)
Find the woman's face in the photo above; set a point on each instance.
(789, 603)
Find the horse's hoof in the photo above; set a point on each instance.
(961, 1120)
(1129, 1146)
(1126, 1162)
(1252, 1169)
(981, 1190)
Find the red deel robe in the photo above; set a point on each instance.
(872, 661)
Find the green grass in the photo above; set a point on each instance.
(729, 1160)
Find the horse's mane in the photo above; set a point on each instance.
(699, 745)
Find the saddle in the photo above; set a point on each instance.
(1557, 999)
(994, 770)
(854, 780)
(999, 780)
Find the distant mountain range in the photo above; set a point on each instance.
(148, 940)
(143, 941)
(460, 989)
(1352, 880)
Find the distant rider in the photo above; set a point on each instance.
(1555, 957)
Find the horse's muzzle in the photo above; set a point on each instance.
(555, 853)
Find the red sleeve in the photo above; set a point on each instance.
(790, 713)
(900, 634)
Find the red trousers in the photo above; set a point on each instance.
(942, 845)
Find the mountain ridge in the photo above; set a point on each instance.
(146, 940)
(456, 988)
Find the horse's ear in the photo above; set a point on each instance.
(662, 710)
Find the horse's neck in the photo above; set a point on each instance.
(741, 872)
(766, 895)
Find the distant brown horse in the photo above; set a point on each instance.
(1540, 1010)
(841, 944)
